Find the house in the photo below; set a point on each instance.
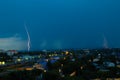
(2, 51)
(11, 52)
(109, 64)
(26, 57)
(96, 60)
(38, 66)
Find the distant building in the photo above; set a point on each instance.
(38, 66)
(87, 51)
(26, 57)
(56, 57)
(11, 52)
(109, 64)
(96, 60)
(2, 51)
(118, 55)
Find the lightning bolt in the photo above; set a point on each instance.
(29, 40)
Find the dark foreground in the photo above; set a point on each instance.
(97, 64)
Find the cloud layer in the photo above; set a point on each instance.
(16, 43)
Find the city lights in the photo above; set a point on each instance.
(2, 62)
(66, 52)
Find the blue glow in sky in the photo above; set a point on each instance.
(59, 24)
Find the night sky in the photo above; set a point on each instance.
(59, 24)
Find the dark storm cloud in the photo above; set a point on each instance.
(63, 23)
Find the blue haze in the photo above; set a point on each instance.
(55, 24)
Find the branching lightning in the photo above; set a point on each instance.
(29, 40)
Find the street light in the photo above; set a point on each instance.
(2, 62)
(45, 71)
